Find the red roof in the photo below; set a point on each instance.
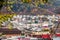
(45, 36)
(58, 35)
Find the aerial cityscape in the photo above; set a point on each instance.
(29, 19)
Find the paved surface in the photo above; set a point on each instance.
(57, 38)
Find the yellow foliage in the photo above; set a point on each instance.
(9, 8)
(10, 2)
(26, 1)
(5, 17)
(10, 26)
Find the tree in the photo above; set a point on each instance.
(26, 1)
(1, 3)
(45, 1)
